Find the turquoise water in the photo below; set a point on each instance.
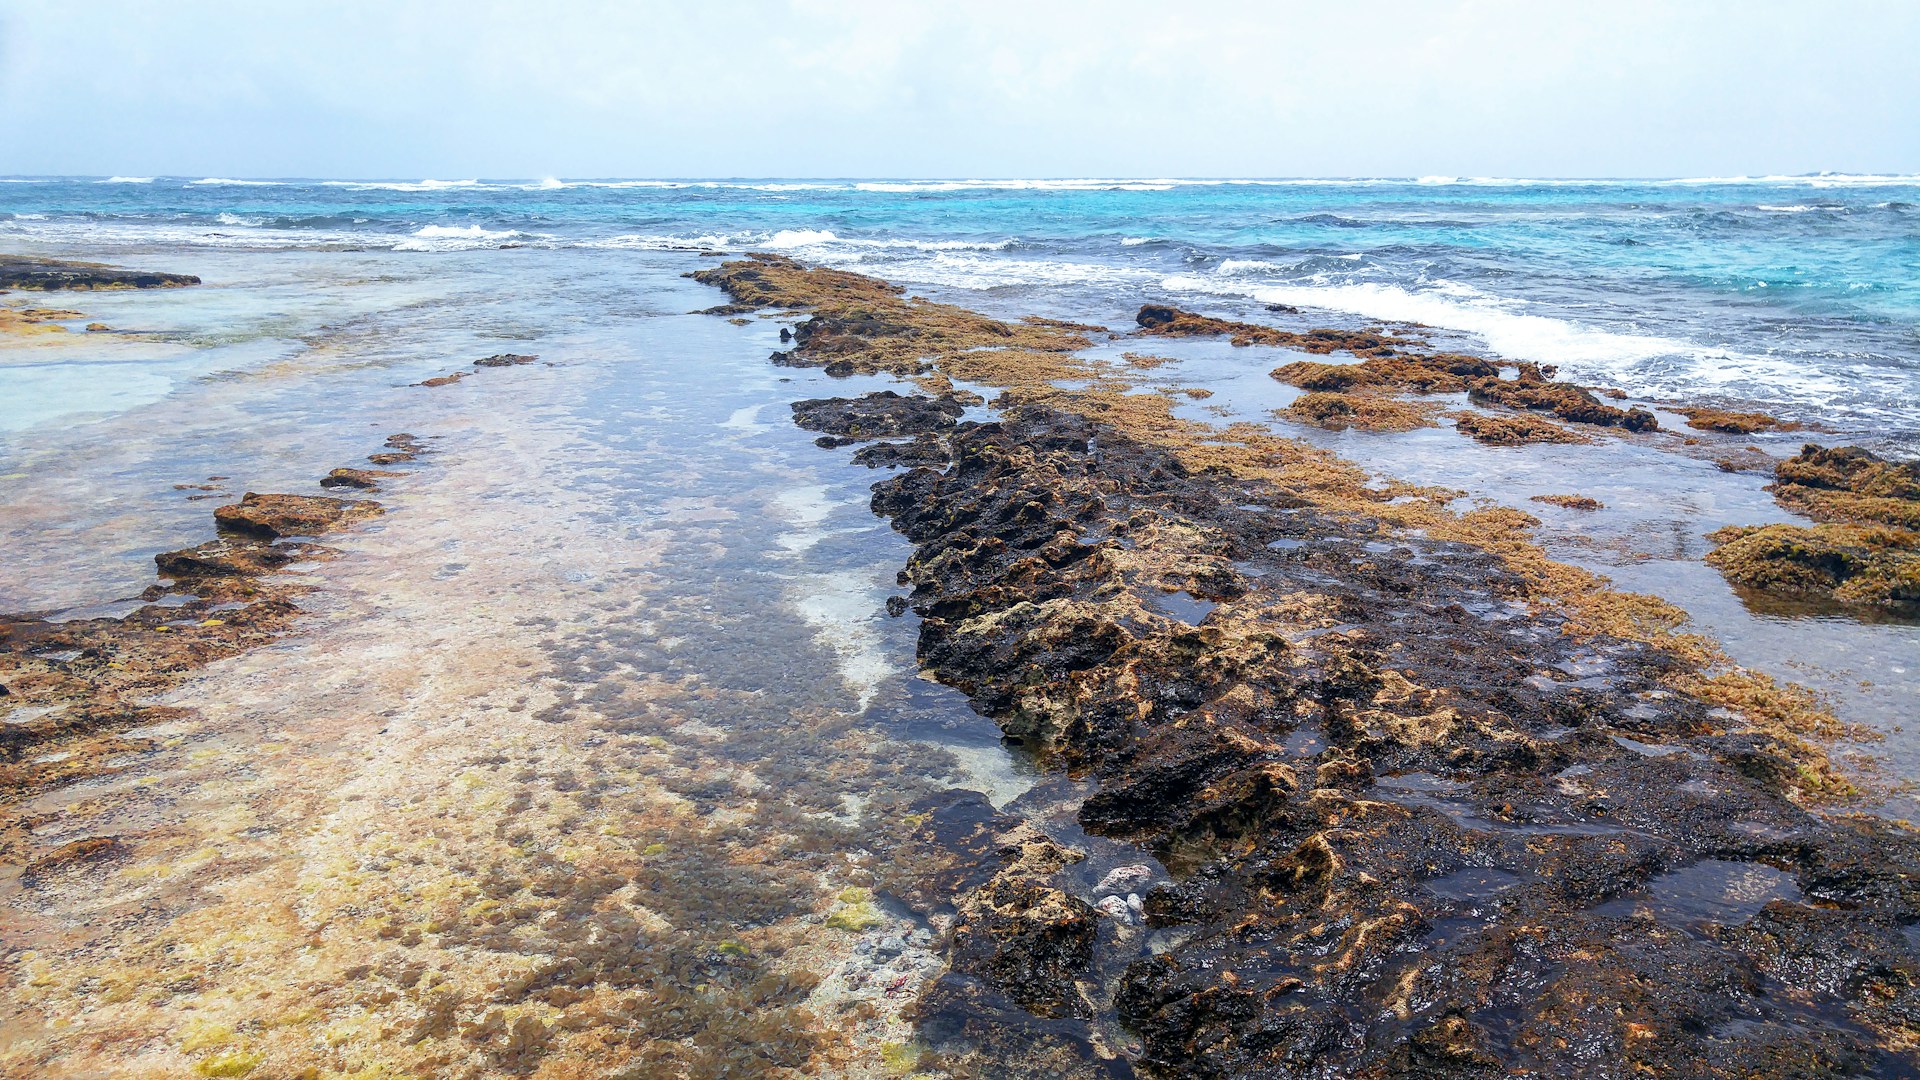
(1798, 294)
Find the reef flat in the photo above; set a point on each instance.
(1426, 801)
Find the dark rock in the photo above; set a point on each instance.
(924, 450)
(1024, 935)
(876, 415)
(226, 557)
(1387, 861)
(27, 272)
(504, 360)
(364, 479)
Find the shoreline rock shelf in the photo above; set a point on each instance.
(1432, 803)
(41, 275)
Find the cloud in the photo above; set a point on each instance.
(851, 87)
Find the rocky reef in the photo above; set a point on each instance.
(1514, 430)
(1430, 803)
(1416, 824)
(1732, 422)
(36, 274)
(1865, 553)
(1395, 364)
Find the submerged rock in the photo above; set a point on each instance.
(364, 479)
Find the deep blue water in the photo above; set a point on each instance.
(1800, 294)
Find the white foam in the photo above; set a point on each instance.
(235, 219)
(792, 239)
(126, 180)
(909, 186)
(455, 238)
(976, 271)
(395, 185)
(221, 181)
(1637, 362)
(1135, 241)
(647, 242)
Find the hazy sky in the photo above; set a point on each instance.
(491, 88)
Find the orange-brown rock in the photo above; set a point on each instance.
(1734, 423)
(1849, 484)
(1335, 411)
(1532, 389)
(274, 516)
(1514, 430)
(1853, 564)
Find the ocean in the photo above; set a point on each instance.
(1796, 294)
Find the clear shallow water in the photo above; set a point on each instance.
(1798, 293)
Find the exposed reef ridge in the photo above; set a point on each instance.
(36, 274)
(1432, 804)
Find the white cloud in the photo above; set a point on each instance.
(851, 87)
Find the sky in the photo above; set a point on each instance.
(983, 88)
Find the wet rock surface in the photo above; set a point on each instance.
(1514, 430)
(273, 516)
(1335, 411)
(1851, 485)
(1866, 552)
(862, 325)
(877, 415)
(1417, 827)
(27, 272)
(924, 450)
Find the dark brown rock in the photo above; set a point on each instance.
(28, 272)
(876, 415)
